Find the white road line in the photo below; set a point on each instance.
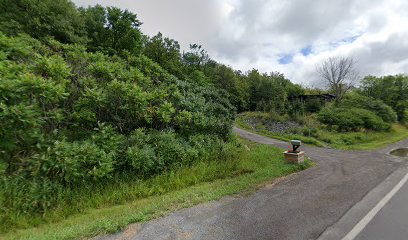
(371, 214)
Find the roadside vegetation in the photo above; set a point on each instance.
(107, 207)
(94, 113)
(97, 118)
(309, 132)
(357, 122)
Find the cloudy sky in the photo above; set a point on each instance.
(289, 36)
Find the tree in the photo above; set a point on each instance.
(57, 18)
(339, 73)
(392, 90)
(112, 30)
(196, 58)
(166, 52)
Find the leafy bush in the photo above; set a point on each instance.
(377, 106)
(351, 119)
(389, 89)
(71, 162)
(69, 117)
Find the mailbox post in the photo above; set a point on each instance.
(294, 155)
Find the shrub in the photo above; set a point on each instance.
(73, 162)
(150, 152)
(351, 119)
(69, 118)
(377, 106)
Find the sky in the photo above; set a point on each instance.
(289, 36)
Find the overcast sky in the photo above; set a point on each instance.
(286, 36)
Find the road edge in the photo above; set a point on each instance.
(356, 213)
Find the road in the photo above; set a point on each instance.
(306, 205)
(391, 222)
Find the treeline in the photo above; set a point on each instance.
(82, 101)
(116, 32)
(85, 96)
(374, 105)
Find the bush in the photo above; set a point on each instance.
(152, 152)
(73, 162)
(351, 119)
(377, 106)
(70, 118)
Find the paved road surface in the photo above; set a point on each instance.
(391, 222)
(301, 206)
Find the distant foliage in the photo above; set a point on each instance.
(272, 92)
(392, 90)
(351, 119)
(377, 106)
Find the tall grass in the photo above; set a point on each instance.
(103, 208)
(120, 189)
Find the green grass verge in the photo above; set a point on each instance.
(168, 192)
(367, 140)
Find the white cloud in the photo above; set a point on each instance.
(254, 34)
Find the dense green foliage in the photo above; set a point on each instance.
(378, 102)
(86, 97)
(311, 131)
(40, 19)
(392, 90)
(112, 30)
(142, 200)
(271, 92)
(356, 112)
(355, 100)
(70, 117)
(351, 119)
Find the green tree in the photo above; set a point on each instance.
(166, 52)
(392, 90)
(112, 30)
(269, 92)
(57, 18)
(196, 58)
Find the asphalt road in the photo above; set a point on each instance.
(391, 222)
(300, 206)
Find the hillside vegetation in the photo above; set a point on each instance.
(95, 113)
(87, 101)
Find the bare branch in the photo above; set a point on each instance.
(339, 73)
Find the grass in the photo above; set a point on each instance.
(129, 202)
(260, 129)
(367, 140)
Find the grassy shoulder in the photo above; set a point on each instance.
(366, 140)
(124, 203)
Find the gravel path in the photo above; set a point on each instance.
(301, 206)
